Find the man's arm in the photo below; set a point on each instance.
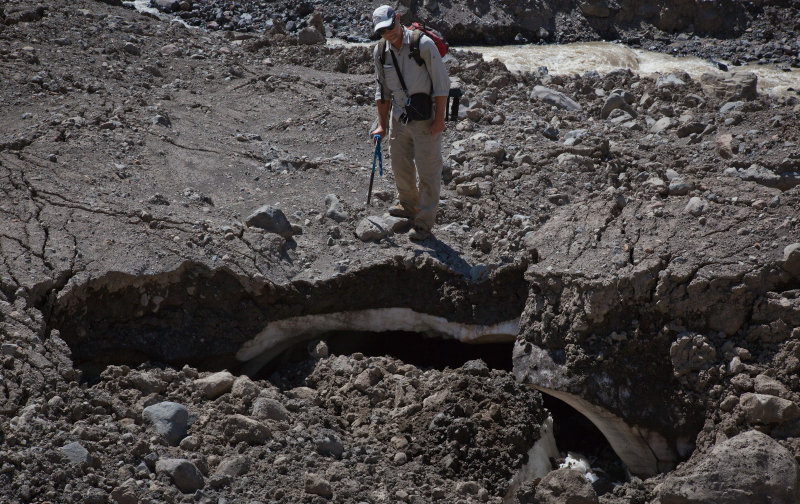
(383, 118)
(439, 79)
(382, 96)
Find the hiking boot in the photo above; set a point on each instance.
(418, 233)
(401, 211)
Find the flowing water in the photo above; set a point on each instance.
(604, 57)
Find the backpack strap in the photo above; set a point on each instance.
(399, 74)
(416, 34)
(382, 50)
(382, 57)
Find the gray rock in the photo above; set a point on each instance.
(739, 86)
(9, 349)
(216, 384)
(317, 485)
(335, 211)
(236, 465)
(572, 137)
(166, 5)
(244, 387)
(768, 409)
(751, 467)
(240, 428)
(663, 124)
(729, 107)
(190, 443)
(131, 49)
(468, 189)
(146, 382)
(270, 219)
(553, 97)
(670, 80)
(724, 145)
(679, 187)
(310, 36)
(494, 149)
(550, 132)
(184, 474)
(614, 102)
(696, 206)
(77, 454)
(170, 420)
(270, 409)
(367, 379)
(160, 120)
(767, 177)
(126, 493)
(564, 486)
(764, 384)
(327, 444)
(396, 224)
(371, 229)
(791, 259)
(689, 128)
(476, 367)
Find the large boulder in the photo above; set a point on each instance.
(739, 86)
(553, 97)
(750, 467)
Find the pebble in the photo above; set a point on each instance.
(334, 209)
(696, 206)
(77, 454)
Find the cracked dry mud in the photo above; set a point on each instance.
(649, 260)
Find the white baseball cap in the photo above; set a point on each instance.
(382, 17)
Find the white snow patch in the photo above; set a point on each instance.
(539, 456)
(374, 320)
(579, 463)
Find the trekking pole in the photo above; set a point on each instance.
(379, 158)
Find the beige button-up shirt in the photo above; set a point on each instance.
(430, 79)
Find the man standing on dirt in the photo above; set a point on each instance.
(410, 91)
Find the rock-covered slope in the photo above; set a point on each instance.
(644, 230)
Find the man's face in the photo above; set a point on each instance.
(392, 33)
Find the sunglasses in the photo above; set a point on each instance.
(381, 31)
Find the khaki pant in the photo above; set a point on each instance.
(416, 152)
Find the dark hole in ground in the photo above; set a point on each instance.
(576, 433)
(291, 367)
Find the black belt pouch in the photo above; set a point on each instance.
(420, 107)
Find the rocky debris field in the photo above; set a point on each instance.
(167, 191)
